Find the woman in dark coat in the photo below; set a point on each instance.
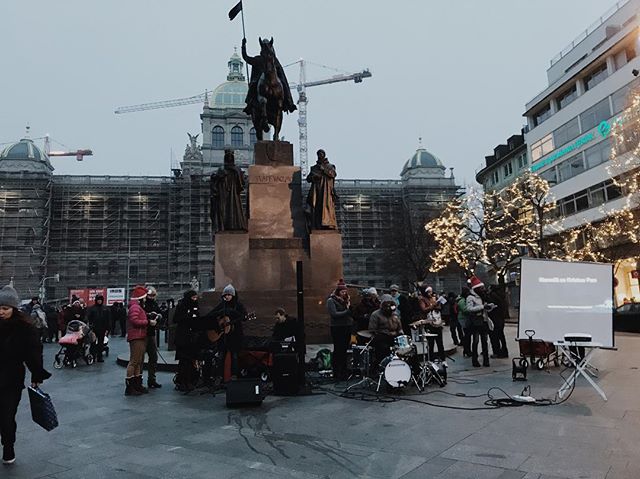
(231, 310)
(186, 317)
(19, 345)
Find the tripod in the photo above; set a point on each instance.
(429, 371)
(364, 368)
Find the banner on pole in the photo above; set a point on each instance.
(115, 295)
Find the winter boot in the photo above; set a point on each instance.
(485, 361)
(153, 384)
(475, 362)
(139, 386)
(130, 389)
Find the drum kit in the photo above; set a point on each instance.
(409, 362)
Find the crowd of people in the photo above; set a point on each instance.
(475, 317)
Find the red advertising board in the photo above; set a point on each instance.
(87, 294)
(80, 294)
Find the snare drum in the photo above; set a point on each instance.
(402, 345)
(396, 372)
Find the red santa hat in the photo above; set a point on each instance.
(475, 282)
(139, 292)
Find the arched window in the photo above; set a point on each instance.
(217, 137)
(29, 236)
(252, 136)
(113, 267)
(236, 136)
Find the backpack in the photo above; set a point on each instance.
(323, 357)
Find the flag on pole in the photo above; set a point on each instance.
(233, 13)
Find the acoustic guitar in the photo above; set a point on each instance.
(225, 326)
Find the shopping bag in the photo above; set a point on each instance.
(42, 411)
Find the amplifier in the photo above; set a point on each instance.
(285, 374)
(244, 392)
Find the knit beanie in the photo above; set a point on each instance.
(341, 286)
(229, 289)
(9, 297)
(386, 298)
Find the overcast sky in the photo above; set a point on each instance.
(455, 72)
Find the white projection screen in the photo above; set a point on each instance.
(558, 297)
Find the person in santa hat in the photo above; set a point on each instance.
(476, 311)
(137, 323)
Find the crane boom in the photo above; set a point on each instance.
(162, 104)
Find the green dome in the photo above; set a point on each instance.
(230, 94)
(24, 156)
(423, 159)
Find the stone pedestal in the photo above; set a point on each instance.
(261, 263)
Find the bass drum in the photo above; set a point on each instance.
(395, 371)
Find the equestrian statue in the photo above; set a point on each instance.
(269, 94)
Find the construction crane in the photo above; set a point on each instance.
(301, 87)
(79, 154)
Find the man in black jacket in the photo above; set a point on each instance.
(152, 309)
(99, 318)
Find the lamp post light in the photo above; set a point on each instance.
(41, 294)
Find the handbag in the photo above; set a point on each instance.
(42, 411)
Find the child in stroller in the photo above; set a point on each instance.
(75, 345)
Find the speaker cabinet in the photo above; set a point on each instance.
(285, 374)
(244, 392)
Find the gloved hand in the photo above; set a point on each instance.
(152, 322)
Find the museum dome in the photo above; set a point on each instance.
(24, 156)
(423, 159)
(232, 93)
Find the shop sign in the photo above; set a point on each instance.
(604, 128)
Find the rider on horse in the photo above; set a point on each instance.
(258, 71)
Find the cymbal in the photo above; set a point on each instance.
(366, 333)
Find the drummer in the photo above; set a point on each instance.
(386, 324)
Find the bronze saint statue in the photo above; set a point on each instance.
(227, 184)
(269, 94)
(321, 201)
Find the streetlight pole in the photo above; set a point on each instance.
(41, 294)
(126, 293)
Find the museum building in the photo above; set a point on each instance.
(117, 231)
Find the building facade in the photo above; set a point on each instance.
(569, 122)
(116, 231)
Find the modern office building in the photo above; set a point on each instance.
(569, 122)
(114, 231)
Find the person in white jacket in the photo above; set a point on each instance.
(477, 317)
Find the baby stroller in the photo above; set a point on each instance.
(75, 345)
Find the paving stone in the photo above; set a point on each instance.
(168, 435)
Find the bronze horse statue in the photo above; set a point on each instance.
(269, 93)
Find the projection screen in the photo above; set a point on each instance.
(558, 297)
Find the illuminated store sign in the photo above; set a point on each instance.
(604, 128)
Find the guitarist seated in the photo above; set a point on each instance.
(229, 314)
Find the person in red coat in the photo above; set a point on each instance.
(137, 323)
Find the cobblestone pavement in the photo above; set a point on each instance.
(166, 434)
